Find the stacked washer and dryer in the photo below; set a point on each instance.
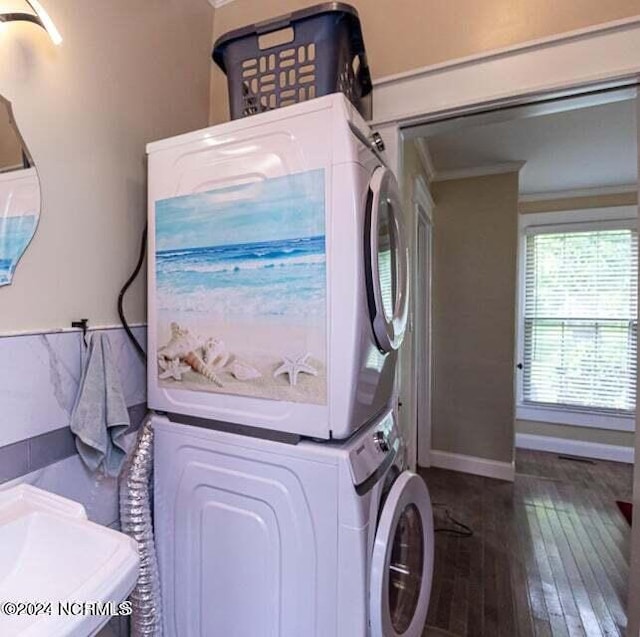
(277, 302)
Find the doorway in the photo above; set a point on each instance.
(561, 65)
(521, 191)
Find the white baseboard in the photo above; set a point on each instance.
(472, 464)
(579, 448)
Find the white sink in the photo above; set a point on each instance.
(50, 552)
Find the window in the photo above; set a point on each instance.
(579, 318)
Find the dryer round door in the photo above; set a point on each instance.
(386, 267)
(402, 562)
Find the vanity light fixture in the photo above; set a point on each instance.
(39, 17)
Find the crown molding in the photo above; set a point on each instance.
(581, 192)
(216, 4)
(479, 171)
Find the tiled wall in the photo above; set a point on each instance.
(39, 377)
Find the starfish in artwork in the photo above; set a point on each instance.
(292, 366)
(172, 368)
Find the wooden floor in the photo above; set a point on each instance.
(549, 554)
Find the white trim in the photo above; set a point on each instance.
(579, 448)
(568, 36)
(425, 157)
(479, 171)
(562, 416)
(423, 207)
(521, 276)
(474, 465)
(582, 226)
(557, 65)
(216, 4)
(623, 215)
(535, 108)
(602, 191)
(422, 197)
(67, 330)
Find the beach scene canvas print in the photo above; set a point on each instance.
(241, 289)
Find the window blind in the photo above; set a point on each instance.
(580, 319)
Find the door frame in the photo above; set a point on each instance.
(423, 208)
(601, 56)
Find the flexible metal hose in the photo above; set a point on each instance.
(136, 521)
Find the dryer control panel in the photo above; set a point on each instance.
(371, 449)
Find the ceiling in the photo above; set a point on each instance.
(591, 147)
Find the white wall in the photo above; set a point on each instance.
(127, 73)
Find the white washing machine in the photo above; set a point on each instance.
(259, 538)
(278, 272)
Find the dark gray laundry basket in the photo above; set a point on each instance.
(294, 58)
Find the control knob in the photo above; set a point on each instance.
(380, 441)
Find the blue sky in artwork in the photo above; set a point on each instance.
(273, 209)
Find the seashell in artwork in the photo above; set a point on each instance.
(242, 371)
(181, 343)
(197, 364)
(208, 357)
(215, 353)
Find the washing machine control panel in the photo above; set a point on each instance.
(372, 448)
(381, 442)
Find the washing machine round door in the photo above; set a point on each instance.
(402, 561)
(387, 261)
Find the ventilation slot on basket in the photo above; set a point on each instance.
(279, 79)
(346, 80)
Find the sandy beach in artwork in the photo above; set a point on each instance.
(261, 347)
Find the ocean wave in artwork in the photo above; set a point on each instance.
(277, 278)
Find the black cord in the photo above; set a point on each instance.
(462, 530)
(127, 285)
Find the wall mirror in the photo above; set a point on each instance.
(19, 195)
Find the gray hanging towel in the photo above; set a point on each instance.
(100, 418)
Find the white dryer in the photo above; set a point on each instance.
(277, 272)
(258, 538)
